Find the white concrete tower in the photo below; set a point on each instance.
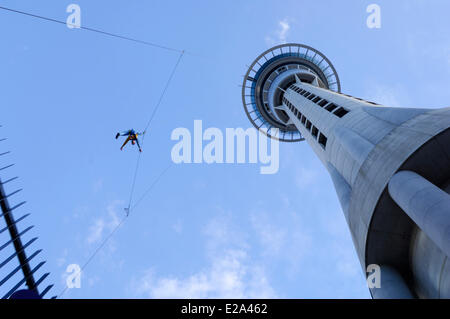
(390, 166)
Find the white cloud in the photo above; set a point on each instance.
(62, 260)
(245, 258)
(235, 269)
(280, 35)
(230, 272)
(282, 239)
(271, 237)
(231, 275)
(96, 231)
(388, 95)
(284, 28)
(79, 212)
(104, 224)
(222, 234)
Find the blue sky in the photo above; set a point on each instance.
(220, 230)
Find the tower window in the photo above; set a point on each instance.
(306, 93)
(314, 131)
(303, 120)
(323, 140)
(316, 99)
(330, 107)
(308, 125)
(340, 112)
(311, 97)
(323, 103)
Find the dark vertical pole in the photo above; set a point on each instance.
(10, 223)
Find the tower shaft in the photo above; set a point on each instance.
(363, 145)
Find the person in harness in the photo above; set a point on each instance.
(131, 136)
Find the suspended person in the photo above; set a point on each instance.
(131, 136)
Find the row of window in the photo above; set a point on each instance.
(322, 139)
(330, 107)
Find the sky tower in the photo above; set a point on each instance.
(390, 166)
